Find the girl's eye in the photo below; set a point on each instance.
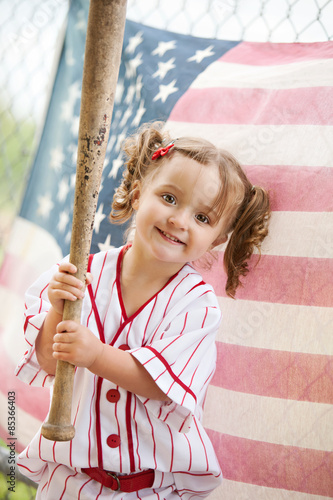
(169, 199)
(202, 218)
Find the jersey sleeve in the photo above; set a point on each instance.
(181, 358)
(37, 306)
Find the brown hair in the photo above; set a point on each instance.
(246, 206)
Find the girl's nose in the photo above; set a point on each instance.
(180, 219)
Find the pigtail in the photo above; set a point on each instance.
(138, 149)
(250, 229)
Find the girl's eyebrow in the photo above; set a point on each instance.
(171, 186)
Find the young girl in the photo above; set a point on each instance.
(145, 349)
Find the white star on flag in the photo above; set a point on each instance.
(162, 48)
(67, 107)
(116, 164)
(81, 24)
(138, 86)
(201, 54)
(139, 114)
(132, 65)
(104, 247)
(130, 94)
(75, 126)
(126, 116)
(70, 59)
(45, 205)
(134, 42)
(63, 221)
(164, 67)
(119, 91)
(57, 159)
(99, 217)
(165, 91)
(63, 189)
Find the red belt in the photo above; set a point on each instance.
(124, 482)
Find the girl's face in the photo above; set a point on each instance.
(175, 221)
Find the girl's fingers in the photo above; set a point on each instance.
(67, 267)
(66, 327)
(89, 278)
(67, 279)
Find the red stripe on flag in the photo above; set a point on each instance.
(270, 54)
(274, 466)
(295, 188)
(279, 374)
(255, 106)
(285, 280)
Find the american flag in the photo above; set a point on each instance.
(269, 408)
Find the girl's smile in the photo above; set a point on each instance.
(170, 238)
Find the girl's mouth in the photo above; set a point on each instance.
(169, 237)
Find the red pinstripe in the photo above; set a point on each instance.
(80, 490)
(90, 420)
(172, 448)
(111, 295)
(171, 295)
(49, 481)
(190, 450)
(72, 475)
(150, 315)
(203, 445)
(157, 354)
(153, 436)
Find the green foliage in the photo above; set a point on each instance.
(22, 491)
(16, 147)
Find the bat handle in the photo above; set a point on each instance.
(59, 426)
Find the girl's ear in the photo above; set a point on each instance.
(135, 194)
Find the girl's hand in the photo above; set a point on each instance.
(65, 286)
(76, 344)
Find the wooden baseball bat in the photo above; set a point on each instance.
(105, 32)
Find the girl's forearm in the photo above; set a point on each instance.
(44, 342)
(121, 368)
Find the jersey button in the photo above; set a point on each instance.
(113, 395)
(124, 347)
(113, 441)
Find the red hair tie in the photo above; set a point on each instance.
(162, 151)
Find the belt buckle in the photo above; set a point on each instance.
(116, 478)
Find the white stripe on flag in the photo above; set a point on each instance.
(259, 418)
(266, 144)
(262, 325)
(312, 73)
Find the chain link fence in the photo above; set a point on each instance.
(31, 34)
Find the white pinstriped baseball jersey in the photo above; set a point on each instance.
(173, 336)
